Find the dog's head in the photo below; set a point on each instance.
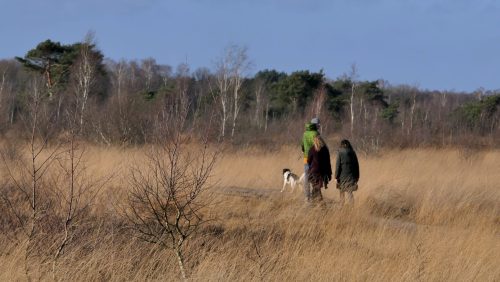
(286, 170)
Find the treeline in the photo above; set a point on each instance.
(74, 88)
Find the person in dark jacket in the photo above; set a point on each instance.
(347, 171)
(320, 169)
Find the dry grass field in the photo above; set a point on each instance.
(419, 215)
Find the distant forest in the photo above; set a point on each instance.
(56, 88)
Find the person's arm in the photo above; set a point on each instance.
(338, 167)
(356, 166)
(310, 157)
(302, 144)
(328, 165)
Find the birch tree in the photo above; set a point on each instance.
(5, 92)
(150, 69)
(223, 84)
(74, 188)
(229, 79)
(239, 65)
(85, 74)
(353, 77)
(259, 88)
(27, 172)
(2, 84)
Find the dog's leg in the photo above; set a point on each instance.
(284, 185)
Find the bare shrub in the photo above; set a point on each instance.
(26, 191)
(74, 192)
(166, 199)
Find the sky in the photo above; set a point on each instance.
(430, 44)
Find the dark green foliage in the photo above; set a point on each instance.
(470, 113)
(291, 93)
(339, 92)
(270, 77)
(490, 105)
(46, 52)
(474, 114)
(149, 95)
(335, 100)
(269, 80)
(54, 61)
(339, 95)
(342, 85)
(294, 91)
(390, 112)
(50, 59)
(372, 93)
(160, 92)
(246, 94)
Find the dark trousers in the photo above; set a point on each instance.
(316, 183)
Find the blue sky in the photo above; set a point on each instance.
(434, 44)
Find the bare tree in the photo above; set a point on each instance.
(7, 93)
(239, 65)
(74, 189)
(150, 69)
(118, 71)
(412, 110)
(181, 102)
(202, 78)
(229, 78)
(258, 92)
(479, 93)
(2, 84)
(223, 84)
(85, 74)
(165, 203)
(260, 117)
(353, 77)
(266, 115)
(26, 174)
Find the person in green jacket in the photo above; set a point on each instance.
(347, 171)
(311, 131)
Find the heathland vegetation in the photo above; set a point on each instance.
(132, 170)
(125, 102)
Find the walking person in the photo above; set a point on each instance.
(347, 171)
(311, 131)
(320, 169)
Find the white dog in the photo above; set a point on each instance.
(291, 179)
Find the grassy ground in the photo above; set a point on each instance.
(430, 215)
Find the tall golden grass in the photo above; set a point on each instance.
(422, 214)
